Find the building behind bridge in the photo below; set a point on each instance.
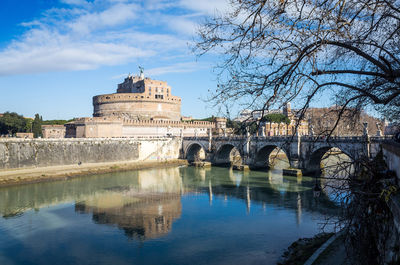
(295, 125)
(316, 121)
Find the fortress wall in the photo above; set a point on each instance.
(19, 153)
(136, 109)
(391, 153)
(134, 106)
(132, 131)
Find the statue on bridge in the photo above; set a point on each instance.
(365, 130)
(311, 130)
(378, 129)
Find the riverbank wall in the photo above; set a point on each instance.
(389, 247)
(391, 154)
(28, 153)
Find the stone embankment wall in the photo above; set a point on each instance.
(19, 153)
(389, 247)
(391, 153)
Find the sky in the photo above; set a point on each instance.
(55, 55)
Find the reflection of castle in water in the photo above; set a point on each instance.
(145, 203)
(145, 211)
(141, 217)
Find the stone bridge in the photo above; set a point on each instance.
(303, 152)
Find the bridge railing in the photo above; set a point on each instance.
(381, 138)
(290, 138)
(333, 138)
(188, 138)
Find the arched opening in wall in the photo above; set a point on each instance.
(332, 169)
(228, 155)
(195, 153)
(271, 156)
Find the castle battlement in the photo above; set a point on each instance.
(166, 123)
(116, 97)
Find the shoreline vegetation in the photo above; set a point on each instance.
(302, 249)
(18, 176)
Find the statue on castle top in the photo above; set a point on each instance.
(141, 71)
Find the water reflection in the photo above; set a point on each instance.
(336, 169)
(128, 192)
(175, 215)
(266, 188)
(145, 210)
(141, 217)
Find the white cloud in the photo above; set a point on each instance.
(67, 56)
(88, 34)
(113, 16)
(182, 25)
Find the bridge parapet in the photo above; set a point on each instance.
(274, 138)
(225, 138)
(333, 139)
(385, 138)
(194, 138)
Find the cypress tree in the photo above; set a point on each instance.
(37, 126)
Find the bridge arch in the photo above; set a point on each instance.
(263, 156)
(195, 152)
(327, 159)
(228, 154)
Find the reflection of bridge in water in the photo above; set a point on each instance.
(265, 188)
(303, 152)
(145, 203)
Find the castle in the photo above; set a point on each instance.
(140, 107)
(139, 98)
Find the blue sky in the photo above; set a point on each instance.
(55, 55)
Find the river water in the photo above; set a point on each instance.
(174, 215)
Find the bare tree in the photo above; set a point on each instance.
(276, 51)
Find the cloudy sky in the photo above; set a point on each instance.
(56, 54)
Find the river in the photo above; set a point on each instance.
(174, 215)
